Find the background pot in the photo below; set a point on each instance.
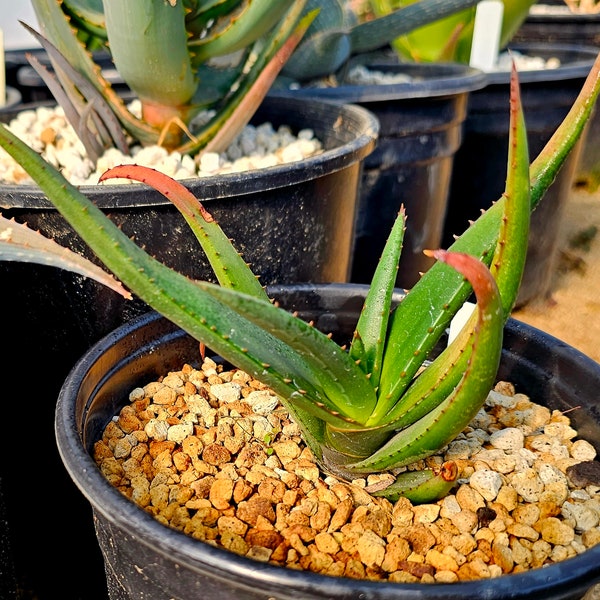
(144, 559)
(292, 223)
(420, 130)
(479, 172)
(553, 22)
(12, 98)
(23, 77)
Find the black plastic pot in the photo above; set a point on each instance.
(145, 559)
(292, 223)
(479, 172)
(23, 77)
(555, 23)
(421, 125)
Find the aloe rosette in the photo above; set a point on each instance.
(184, 57)
(385, 401)
(179, 57)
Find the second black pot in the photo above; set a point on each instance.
(421, 127)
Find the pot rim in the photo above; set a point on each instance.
(576, 65)
(430, 80)
(362, 123)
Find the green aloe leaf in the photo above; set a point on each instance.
(229, 267)
(507, 266)
(415, 332)
(369, 340)
(443, 423)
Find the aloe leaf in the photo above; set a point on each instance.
(415, 332)
(370, 336)
(70, 94)
(254, 83)
(251, 19)
(371, 35)
(334, 39)
(347, 388)
(88, 16)
(56, 28)
(423, 486)
(507, 266)
(21, 244)
(442, 424)
(257, 83)
(229, 267)
(200, 13)
(183, 301)
(158, 25)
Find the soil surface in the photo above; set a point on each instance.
(572, 314)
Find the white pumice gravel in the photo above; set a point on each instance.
(361, 75)
(47, 131)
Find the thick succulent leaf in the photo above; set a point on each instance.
(87, 15)
(255, 84)
(442, 424)
(20, 244)
(423, 486)
(263, 66)
(187, 303)
(69, 92)
(507, 267)
(415, 332)
(347, 388)
(233, 31)
(331, 43)
(371, 35)
(56, 28)
(160, 42)
(229, 267)
(369, 339)
(200, 12)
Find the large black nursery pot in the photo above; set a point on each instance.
(292, 223)
(421, 124)
(145, 559)
(479, 172)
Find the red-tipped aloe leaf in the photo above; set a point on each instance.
(508, 263)
(183, 301)
(250, 89)
(441, 425)
(228, 266)
(414, 338)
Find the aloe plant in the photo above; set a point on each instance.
(378, 404)
(337, 34)
(449, 39)
(183, 57)
(179, 57)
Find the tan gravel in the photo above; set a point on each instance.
(213, 454)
